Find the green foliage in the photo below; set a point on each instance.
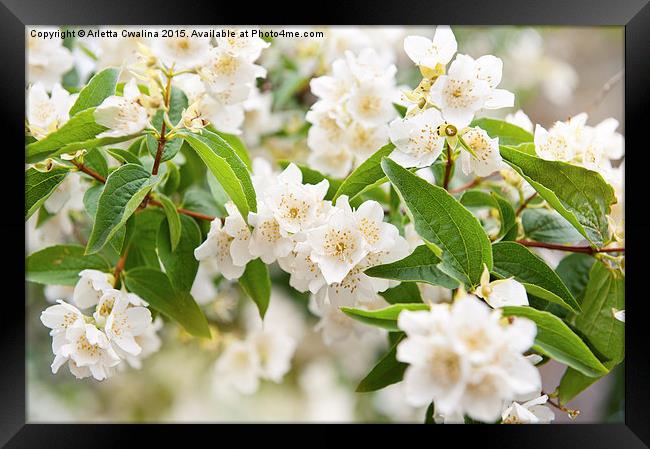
(227, 167)
(604, 293)
(548, 226)
(101, 86)
(39, 186)
(479, 198)
(581, 196)
(124, 156)
(405, 292)
(556, 340)
(125, 189)
(177, 103)
(386, 372)
(367, 175)
(385, 318)
(507, 133)
(173, 220)
(257, 284)
(574, 271)
(440, 219)
(179, 261)
(61, 264)
(155, 287)
(514, 260)
(419, 266)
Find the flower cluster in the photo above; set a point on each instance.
(264, 354)
(443, 105)
(466, 358)
(324, 247)
(48, 60)
(120, 328)
(349, 120)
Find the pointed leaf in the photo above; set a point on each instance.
(180, 264)
(40, 185)
(61, 264)
(101, 86)
(366, 175)
(256, 282)
(385, 318)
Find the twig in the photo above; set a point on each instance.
(573, 249)
(89, 171)
(163, 129)
(120, 266)
(450, 163)
(524, 204)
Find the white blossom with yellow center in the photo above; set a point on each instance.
(429, 53)
(416, 138)
(124, 115)
(46, 113)
(486, 158)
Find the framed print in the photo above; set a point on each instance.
(406, 214)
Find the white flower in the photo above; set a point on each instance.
(60, 317)
(426, 53)
(334, 325)
(465, 359)
(47, 59)
(207, 110)
(520, 119)
(249, 48)
(122, 115)
(305, 273)
(45, 113)
(55, 292)
(239, 365)
(619, 315)
(295, 206)
(416, 138)
(337, 246)
(275, 350)
(370, 105)
(217, 246)
(363, 141)
(91, 287)
(556, 144)
(502, 292)
(228, 76)
(125, 322)
(89, 347)
(67, 196)
(528, 409)
(235, 226)
(488, 158)
(337, 162)
(181, 52)
(469, 86)
(267, 242)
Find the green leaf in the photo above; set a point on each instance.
(80, 132)
(142, 251)
(385, 318)
(40, 185)
(440, 219)
(401, 110)
(507, 133)
(574, 271)
(478, 198)
(96, 161)
(124, 156)
(548, 226)
(420, 266)
(173, 220)
(61, 264)
(291, 83)
(180, 264)
(257, 284)
(514, 260)
(199, 200)
(405, 292)
(386, 372)
(581, 196)
(227, 167)
(155, 287)
(173, 178)
(125, 189)
(101, 86)
(236, 144)
(605, 334)
(367, 175)
(556, 340)
(177, 103)
(311, 176)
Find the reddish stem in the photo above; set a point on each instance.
(89, 172)
(573, 249)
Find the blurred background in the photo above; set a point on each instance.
(555, 72)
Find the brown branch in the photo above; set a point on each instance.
(120, 266)
(163, 129)
(450, 163)
(521, 208)
(89, 171)
(573, 249)
(469, 185)
(573, 414)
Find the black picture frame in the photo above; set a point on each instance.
(633, 14)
